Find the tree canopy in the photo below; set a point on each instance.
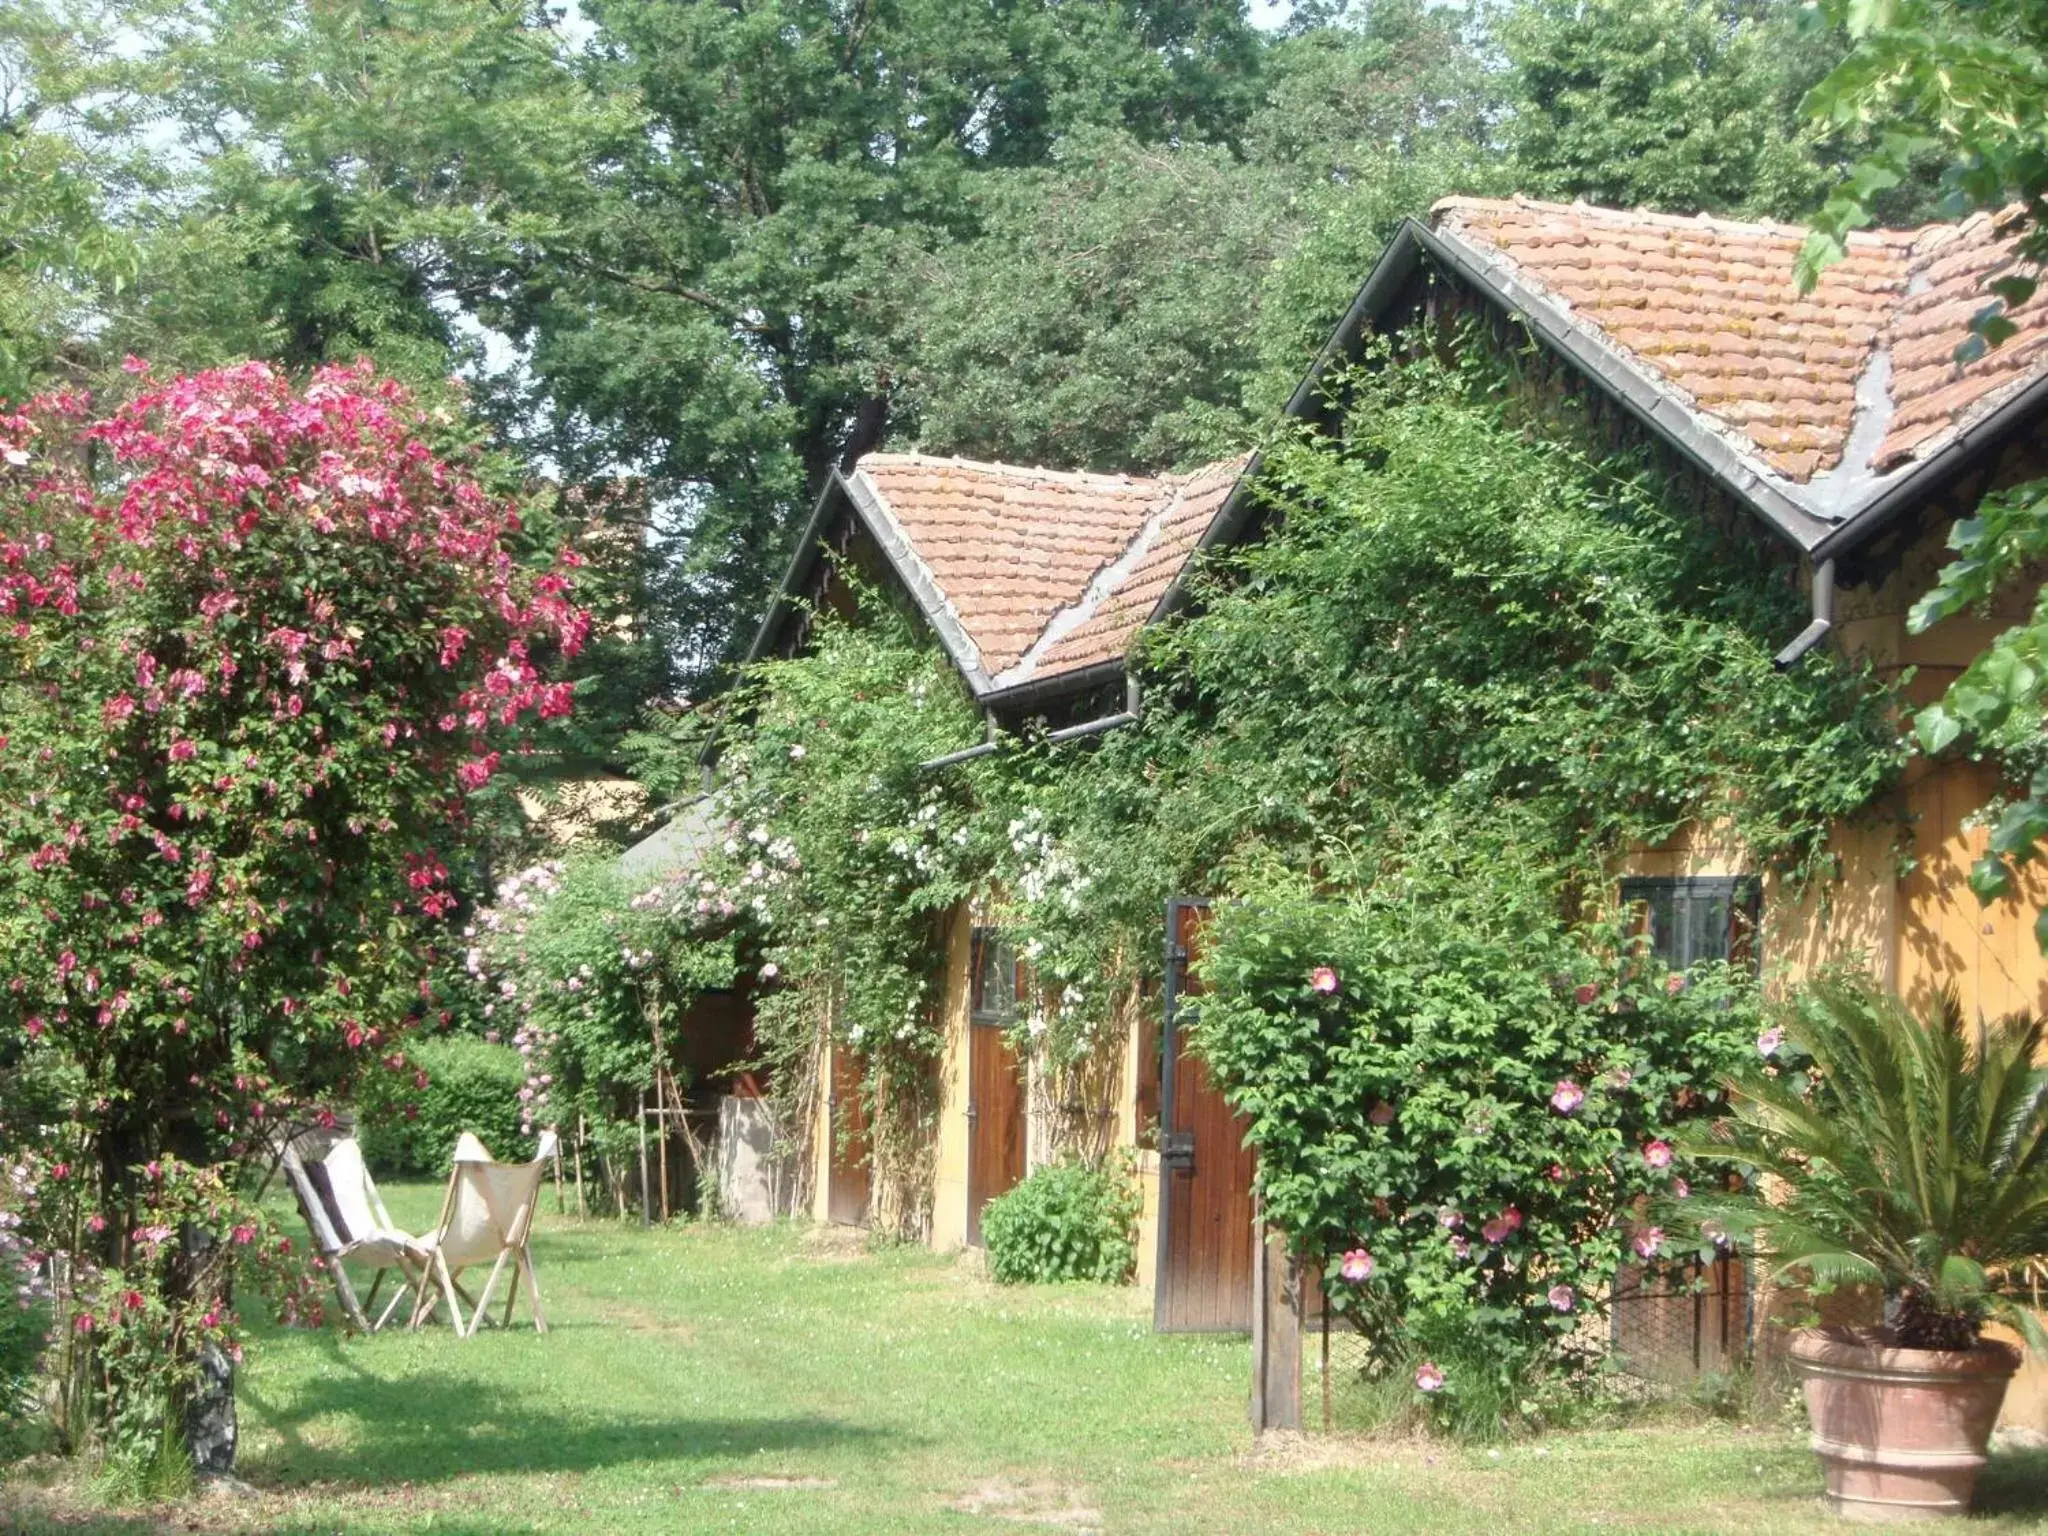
(717, 250)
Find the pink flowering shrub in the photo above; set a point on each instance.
(261, 648)
(1536, 1077)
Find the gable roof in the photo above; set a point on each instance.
(1035, 580)
(1825, 411)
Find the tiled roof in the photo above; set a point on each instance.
(1951, 264)
(1847, 382)
(1108, 629)
(1044, 571)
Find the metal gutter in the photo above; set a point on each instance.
(1093, 727)
(1035, 690)
(1134, 703)
(964, 755)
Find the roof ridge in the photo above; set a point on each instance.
(1662, 220)
(997, 467)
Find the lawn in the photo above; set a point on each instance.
(716, 1379)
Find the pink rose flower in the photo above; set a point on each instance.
(1681, 1189)
(1322, 979)
(1566, 1096)
(1357, 1267)
(1657, 1154)
(1496, 1230)
(1649, 1242)
(1768, 1042)
(1563, 1298)
(1428, 1378)
(1674, 984)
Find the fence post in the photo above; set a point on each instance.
(1276, 1332)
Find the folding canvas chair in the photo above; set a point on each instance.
(347, 1218)
(487, 1214)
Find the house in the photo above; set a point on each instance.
(1839, 427)
(1835, 427)
(1035, 582)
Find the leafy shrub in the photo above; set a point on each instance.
(1465, 1117)
(579, 970)
(472, 1085)
(24, 1331)
(1067, 1221)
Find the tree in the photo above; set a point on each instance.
(263, 649)
(56, 244)
(1134, 305)
(1687, 106)
(1969, 84)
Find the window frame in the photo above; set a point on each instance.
(1743, 893)
(980, 937)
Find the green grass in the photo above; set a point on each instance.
(785, 1380)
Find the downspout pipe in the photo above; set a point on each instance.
(1822, 622)
(991, 742)
(1134, 699)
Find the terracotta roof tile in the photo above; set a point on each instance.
(1708, 308)
(1930, 394)
(1045, 570)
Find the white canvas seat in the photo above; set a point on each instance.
(346, 1214)
(487, 1215)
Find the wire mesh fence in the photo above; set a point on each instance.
(1667, 1325)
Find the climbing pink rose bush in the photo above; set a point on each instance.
(1490, 1110)
(262, 648)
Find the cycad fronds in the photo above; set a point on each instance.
(1911, 1156)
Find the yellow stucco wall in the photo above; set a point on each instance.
(1146, 1161)
(821, 1138)
(949, 1177)
(1900, 901)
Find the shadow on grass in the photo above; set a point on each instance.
(431, 1426)
(81, 1522)
(2015, 1483)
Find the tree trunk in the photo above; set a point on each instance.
(210, 1415)
(209, 1408)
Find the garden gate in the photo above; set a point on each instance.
(1205, 1168)
(1682, 1321)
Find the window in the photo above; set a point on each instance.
(1691, 922)
(994, 978)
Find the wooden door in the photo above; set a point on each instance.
(995, 1121)
(1205, 1168)
(846, 1195)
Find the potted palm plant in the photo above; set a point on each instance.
(1911, 1158)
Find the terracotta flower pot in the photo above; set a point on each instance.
(1900, 1432)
